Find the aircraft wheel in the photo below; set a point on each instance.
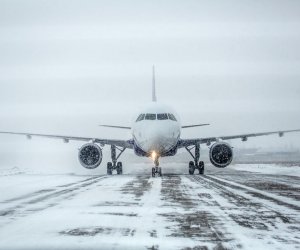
(109, 168)
(201, 167)
(191, 168)
(159, 172)
(153, 172)
(119, 168)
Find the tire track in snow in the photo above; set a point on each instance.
(283, 201)
(193, 221)
(258, 216)
(44, 191)
(43, 199)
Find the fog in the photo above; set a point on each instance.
(67, 66)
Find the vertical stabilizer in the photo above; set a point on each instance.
(154, 99)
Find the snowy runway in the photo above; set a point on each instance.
(228, 209)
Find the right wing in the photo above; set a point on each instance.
(112, 126)
(119, 143)
(195, 125)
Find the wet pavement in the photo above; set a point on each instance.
(219, 210)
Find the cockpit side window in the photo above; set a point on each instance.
(140, 118)
(150, 117)
(172, 117)
(162, 116)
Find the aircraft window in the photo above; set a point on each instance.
(150, 117)
(162, 116)
(141, 117)
(172, 117)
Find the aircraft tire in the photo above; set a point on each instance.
(159, 172)
(109, 168)
(119, 168)
(201, 167)
(191, 167)
(153, 172)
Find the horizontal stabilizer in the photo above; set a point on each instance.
(110, 126)
(195, 125)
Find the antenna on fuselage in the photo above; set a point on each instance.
(154, 99)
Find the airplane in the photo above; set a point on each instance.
(156, 133)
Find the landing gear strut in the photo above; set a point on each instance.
(156, 169)
(114, 165)
(196, 164)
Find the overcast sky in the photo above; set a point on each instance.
(66, 66)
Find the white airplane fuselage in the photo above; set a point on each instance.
(156, 130)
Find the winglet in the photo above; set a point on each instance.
(154, 99)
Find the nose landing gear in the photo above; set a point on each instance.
(156, 169)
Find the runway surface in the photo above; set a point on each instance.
(224, 209)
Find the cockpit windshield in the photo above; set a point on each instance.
(162, 116)
(141, 117)
(150, 117)
(172, 117)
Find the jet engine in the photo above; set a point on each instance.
(220, 154)
(90, 155)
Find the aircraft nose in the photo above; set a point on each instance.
(160, 139)
(158, 133)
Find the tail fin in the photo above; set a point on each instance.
(154, 99)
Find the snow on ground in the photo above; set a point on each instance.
(268, 169)
(20, 184)
(224, 209)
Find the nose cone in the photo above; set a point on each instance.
(159, 139)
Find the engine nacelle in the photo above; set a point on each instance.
(220, 154)
(90, 155)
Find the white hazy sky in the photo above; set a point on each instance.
(66, 66)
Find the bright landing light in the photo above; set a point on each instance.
(153, 155)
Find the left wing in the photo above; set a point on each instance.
(244, 137)
(119, 143)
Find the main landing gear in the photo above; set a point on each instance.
(196, 164)
(114, 165)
